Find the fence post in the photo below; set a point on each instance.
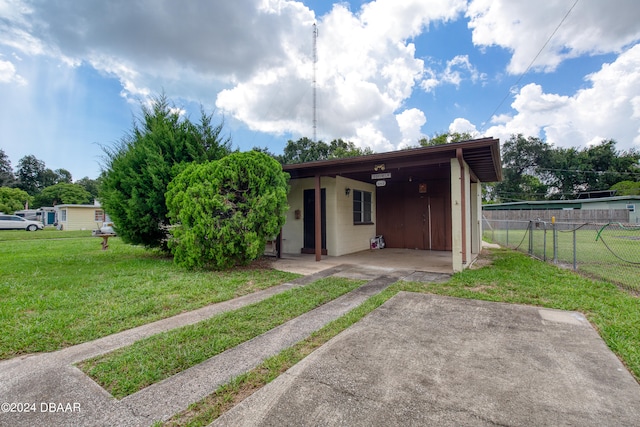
(555, 239)
(544, 243)
(575, 256)
(508, 233)
(530, 237)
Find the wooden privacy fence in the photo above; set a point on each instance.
(573, 215)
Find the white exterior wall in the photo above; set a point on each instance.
(343, 237)
(79, 217)
(456, 216)
(351, 238)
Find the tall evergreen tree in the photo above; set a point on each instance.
(138, 169)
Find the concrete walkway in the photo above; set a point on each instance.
(422, 360)
(59, 394)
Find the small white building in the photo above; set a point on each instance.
(80, 217)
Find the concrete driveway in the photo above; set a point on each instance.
(432, 360)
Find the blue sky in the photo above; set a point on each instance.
(74, 74)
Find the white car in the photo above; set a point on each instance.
(15, 222)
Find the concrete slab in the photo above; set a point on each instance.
(388, 258)
(432, 360)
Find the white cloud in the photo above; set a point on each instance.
(609, 108)
(366, 70)
(456, 70)
(252, 58)
(524, 26)
(410, 123)
(458, 67)
(368, 136)
(8, 74)
(461, 125)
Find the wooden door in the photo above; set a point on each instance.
(390, 215)
(416, 220)
(438, 226)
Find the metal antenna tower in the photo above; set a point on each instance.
(315, 60)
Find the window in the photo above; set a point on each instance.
(63, 215)
(361, 207)
(99, 215)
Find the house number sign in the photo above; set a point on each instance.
(381, 175)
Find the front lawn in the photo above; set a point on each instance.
(512, 277)
(129, 369)
(58, 288)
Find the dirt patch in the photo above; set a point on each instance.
(484, 259)
(264, 262)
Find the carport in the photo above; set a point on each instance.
(426, 199)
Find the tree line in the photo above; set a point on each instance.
(34, 185)
(178, 186)
(534, 170)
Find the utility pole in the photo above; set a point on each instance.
(315, 60)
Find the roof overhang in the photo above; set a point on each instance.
(482, 156)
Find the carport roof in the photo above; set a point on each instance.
(482, 156)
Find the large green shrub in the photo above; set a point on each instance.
(140, 167)
(225, 210)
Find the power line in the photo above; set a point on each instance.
(530, 64)
(577, 171)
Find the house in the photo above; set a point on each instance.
(79, 217)
(624, 209)
(45, 214)
(426, 198)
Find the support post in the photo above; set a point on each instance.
(463, 205)
(318, 219)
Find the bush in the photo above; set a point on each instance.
(225, 210)
(140, 167)
(13, 199)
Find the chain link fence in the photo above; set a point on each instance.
(609, 251)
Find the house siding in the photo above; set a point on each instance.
(343, 237)
(351, 238)
(79, 217)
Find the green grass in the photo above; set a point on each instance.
(153, 359)
(60, 288)
(47, 233)
(512, 278)
(612, 255)
(60, 291)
